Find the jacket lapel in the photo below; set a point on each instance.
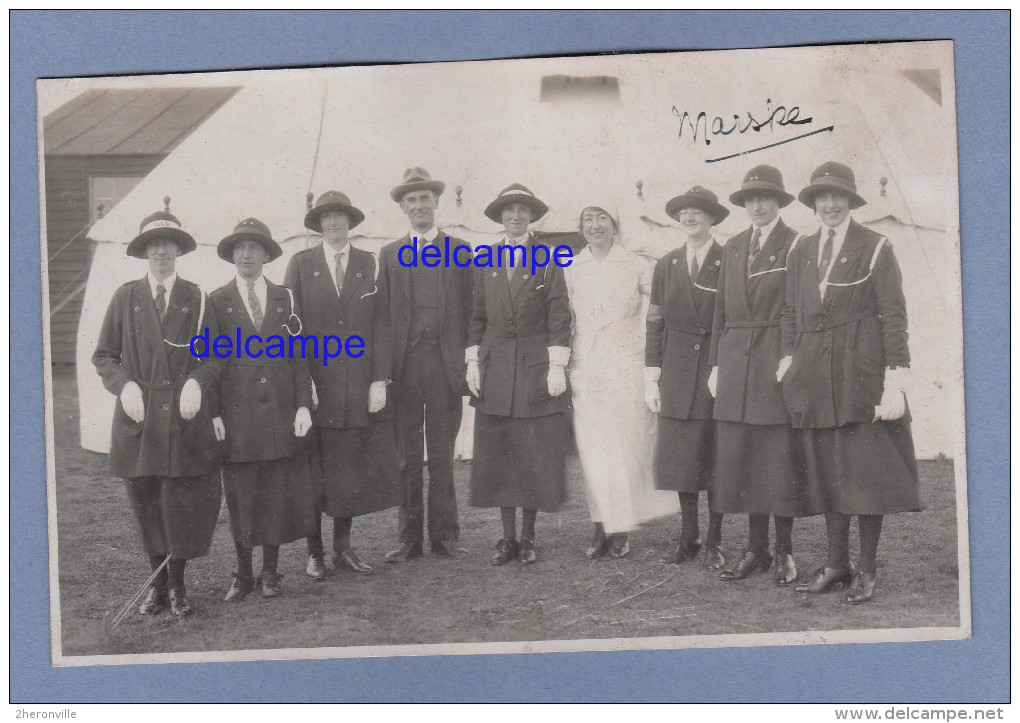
(769, 257)
(521, 276)
(142, 297)
(708, 278)
(325, 277)
(809, 262)
(845, 264)
(177, 311)
(276, 304)
(358, 269)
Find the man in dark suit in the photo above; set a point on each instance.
(162, 439)
(429, 311)
(339, 292)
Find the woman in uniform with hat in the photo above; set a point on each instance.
(608, 288)
(517, 353)
(265, 401)
(162, 441)
(339, 291)
(756, 470)
(678, 339)
(843, 370)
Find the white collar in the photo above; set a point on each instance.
(519, 241)
(242, 283)
(701, 253)
(426, 238)
(331, 250)
(837, 239)
(168, 283)
(767, 230)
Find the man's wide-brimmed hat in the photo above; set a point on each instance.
(416, 179)
(762, 179)
(698, 197)
(249, 229)
(332, 201)
(160, 225)
(831, 176)
(516, 193)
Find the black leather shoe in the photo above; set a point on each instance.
(315, 568)
(239, 588)
(506, 550)
(179, 605)
(786, 569)
(155, 601)
(349, 559)
(447, 548)
(404, 552)
(619, 545)
(749, 563)
(863, 589)
(527, 554)
(713, 558)
(681, 553)
(825, 579)
(270, 583)
(597, 549)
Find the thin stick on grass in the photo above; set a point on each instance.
(619, 602)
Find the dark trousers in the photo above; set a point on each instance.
(427, 411)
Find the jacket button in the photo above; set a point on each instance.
(166, 381)
(341, 322)
(697, 347)
(166, 407)
(263, 380)
(821, 326)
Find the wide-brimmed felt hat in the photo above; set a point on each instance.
(332, 201)
(831, 176)
(416, 179)
(160, 225)
(762, 179)
(698, 197)
(516, 193)
(249, 229)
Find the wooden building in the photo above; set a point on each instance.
(96, 148)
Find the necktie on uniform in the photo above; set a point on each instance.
(256, 307)
(694, 267)
(752, 252)
(823, 265)
(341, 269)
(510, 264)
(161, 302)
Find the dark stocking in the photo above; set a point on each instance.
(270, 557)
(315, 539)
(528, 523)
(758, 533)
(155, 561)
(689, 531)
(837, 530)
(784, 535)
(342, 533)
(175, 572)
(871, 529)
(508, 515)
(243, 561)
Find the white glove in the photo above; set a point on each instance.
(894, 400)
(191, 399)
(652, 398)
(713, 381)
(302, 422)
(376, 397)
(557, 380)
(784, 366)
(474, 379)
(218, 429)
(131, 400)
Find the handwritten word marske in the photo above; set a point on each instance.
(701, 127)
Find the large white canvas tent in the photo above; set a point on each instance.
(577, 131)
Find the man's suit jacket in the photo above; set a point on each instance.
(745, 329)
(133, 347)
(360, 309)
(454, 311)
(842, 343)
(259, 394)
(679, 332)
(514, 325)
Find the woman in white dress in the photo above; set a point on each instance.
(608, 288)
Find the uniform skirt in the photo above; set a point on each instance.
(358, 469)
(175, 515)
(519, 462)
(862, 469)
(685, 454)
(271, 502)
(759, 469)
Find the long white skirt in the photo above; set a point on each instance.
(615, 435)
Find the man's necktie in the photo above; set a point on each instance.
(256, 307)
(823, 265)
(161, 302)
(694, 267)
(340, 270)
(752, 252)
(510, 264)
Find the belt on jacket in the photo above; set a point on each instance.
(688, 329)
(752, 324)
(167, 385)
(826, 325)
(511, 334)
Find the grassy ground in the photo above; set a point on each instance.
(435, 600)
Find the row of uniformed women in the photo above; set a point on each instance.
(776, 367)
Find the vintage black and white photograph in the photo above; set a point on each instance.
(603, 352)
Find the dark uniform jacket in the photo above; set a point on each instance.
(679, 332)
(514, 325)
(360, 309)
(745, 329)
(842, 344)
(133, 347)
(454, 310)
(259, 395)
